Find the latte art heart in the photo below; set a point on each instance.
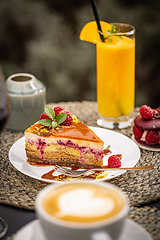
(83, 202)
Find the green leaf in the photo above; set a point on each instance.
(118, 30)
(120, 37)
(54, 124)
(112, 28)
(109, 32)
(49, 112)
(109, 40)
(46, 122)
(61, 118)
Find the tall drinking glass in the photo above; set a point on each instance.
(116, 77)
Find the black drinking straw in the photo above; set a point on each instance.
(97, 19)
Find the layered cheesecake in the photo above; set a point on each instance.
(146, 127)
(68, 142)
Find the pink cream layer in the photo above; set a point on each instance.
(41, 144)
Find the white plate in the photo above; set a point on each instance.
(119, 144)
(131, 231)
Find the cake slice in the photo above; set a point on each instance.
(60, 138)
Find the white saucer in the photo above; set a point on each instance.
(33, 231)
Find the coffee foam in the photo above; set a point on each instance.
(84, 203)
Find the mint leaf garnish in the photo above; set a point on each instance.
(46, 122)
(54, 124)
(112, 32)
(49, 112)
(61, 118)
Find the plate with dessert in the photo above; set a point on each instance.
(146, 129)
(59, 138)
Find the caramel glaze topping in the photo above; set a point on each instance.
(75, 131)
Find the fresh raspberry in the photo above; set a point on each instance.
(137, 132)
(114, 162)
(146, 112)
(69, 119)
(44, 116)
(152, 137)
(57, 110)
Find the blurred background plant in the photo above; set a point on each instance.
(42, 38)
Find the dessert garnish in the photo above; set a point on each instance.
(137, 132)
(114, 161)
(152, 137)
(146, 112)
(107, 150)
(54, 117)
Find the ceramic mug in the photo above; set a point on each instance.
(27, 97)
(82, 210)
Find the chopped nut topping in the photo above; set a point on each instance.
(58, 127)
(40, 131)
(75, 120)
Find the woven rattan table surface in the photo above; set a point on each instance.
(142, 187)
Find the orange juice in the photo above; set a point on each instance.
(116, 76)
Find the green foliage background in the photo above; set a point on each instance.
(42, 38)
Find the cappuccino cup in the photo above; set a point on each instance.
(82, 211)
